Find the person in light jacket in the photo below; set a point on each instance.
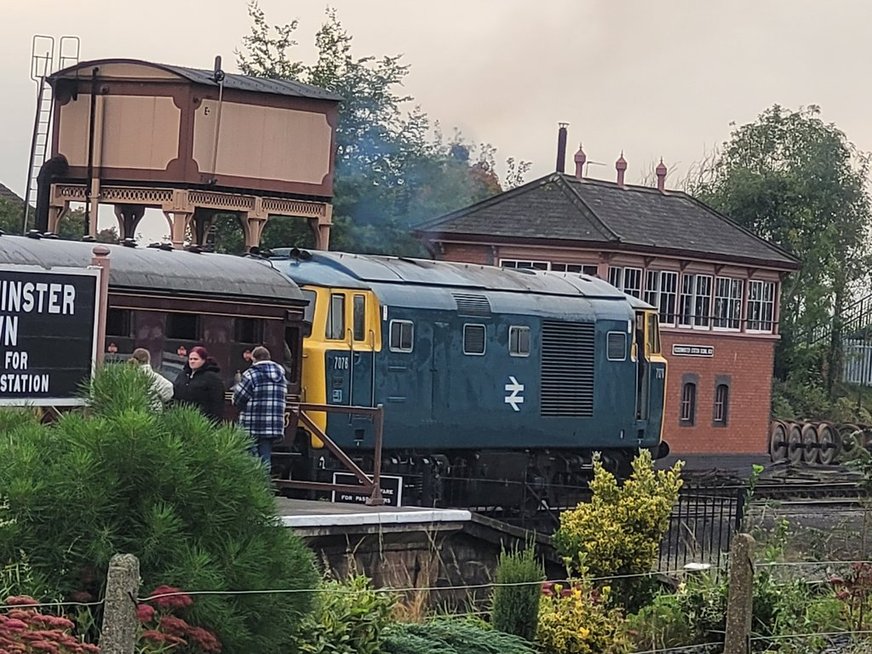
(261, 396)
(162, 387)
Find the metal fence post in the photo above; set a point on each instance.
(118, 635)
(739, 604)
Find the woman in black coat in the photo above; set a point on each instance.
(200, 385)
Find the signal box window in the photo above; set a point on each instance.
(722, 401)
(402, 335)
(359, 317)
(248, 330)
(519, 341)
(336, 318)
(616, 346)
(119, 322)
(688, 404)
(183, 326)
(474, 340)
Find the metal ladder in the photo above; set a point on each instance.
(42, 61)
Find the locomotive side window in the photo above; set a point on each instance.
(519, 341)
(473, 339)
(616, 346)
(336, 318)
(119, 322)
(183, 326)
(358, 309)
(248, 330)
(402, 335)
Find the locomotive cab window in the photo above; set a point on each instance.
(336, 318)
(402, 335)
(183, 326)
(358, 311)
(616, 346)
(519, 341)
(473, 339)
(653, 335)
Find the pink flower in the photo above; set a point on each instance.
(20, 600)
(144, 613)
(173, 625)
(173, 598)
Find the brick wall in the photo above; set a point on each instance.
(467, 254)
(745, 363)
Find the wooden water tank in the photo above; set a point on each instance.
(155, 125)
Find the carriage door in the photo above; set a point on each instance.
(362, 339)
(643, 385)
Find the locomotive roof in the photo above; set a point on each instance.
(367, 271)
(170, 271)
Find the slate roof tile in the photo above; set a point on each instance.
(562, 207)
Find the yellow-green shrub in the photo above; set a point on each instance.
(576, 619)
(620, 529)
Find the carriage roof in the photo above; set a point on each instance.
(153, 269)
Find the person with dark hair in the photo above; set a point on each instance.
(160, 385)
(261, 395)
(200, 385)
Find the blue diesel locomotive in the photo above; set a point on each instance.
(496, 384)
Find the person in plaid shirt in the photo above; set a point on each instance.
(260, 397)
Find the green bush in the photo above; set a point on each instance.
(577, 619)
(660, 625)
(516, 596)
(452, 636)
(183, 496)
(618, 532)
(349, 618)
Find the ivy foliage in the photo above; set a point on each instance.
(183, 496)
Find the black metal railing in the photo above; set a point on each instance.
(702, 525)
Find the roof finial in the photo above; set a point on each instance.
(621, 167)
(580, 159)
(661, 171)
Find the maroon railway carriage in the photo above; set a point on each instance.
(167, 301)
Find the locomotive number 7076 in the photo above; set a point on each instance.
(340, 363)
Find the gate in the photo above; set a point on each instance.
(702, 525)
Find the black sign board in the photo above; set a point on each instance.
(391, 488)
(693, 350)
(48, 334)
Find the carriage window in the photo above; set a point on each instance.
(473, 339)
(183, 326)
(248, 330)
(519, 341)
(616, 346)
(119, 322)
(402, 335)
(359, 317)
(336, 318)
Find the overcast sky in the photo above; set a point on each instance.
(654, 79)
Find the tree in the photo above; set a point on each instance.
(72, 226)
(393, 168)
(798, 182)
(183, 496)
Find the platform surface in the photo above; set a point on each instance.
(308, 513)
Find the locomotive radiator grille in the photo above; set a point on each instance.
(567, 380)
